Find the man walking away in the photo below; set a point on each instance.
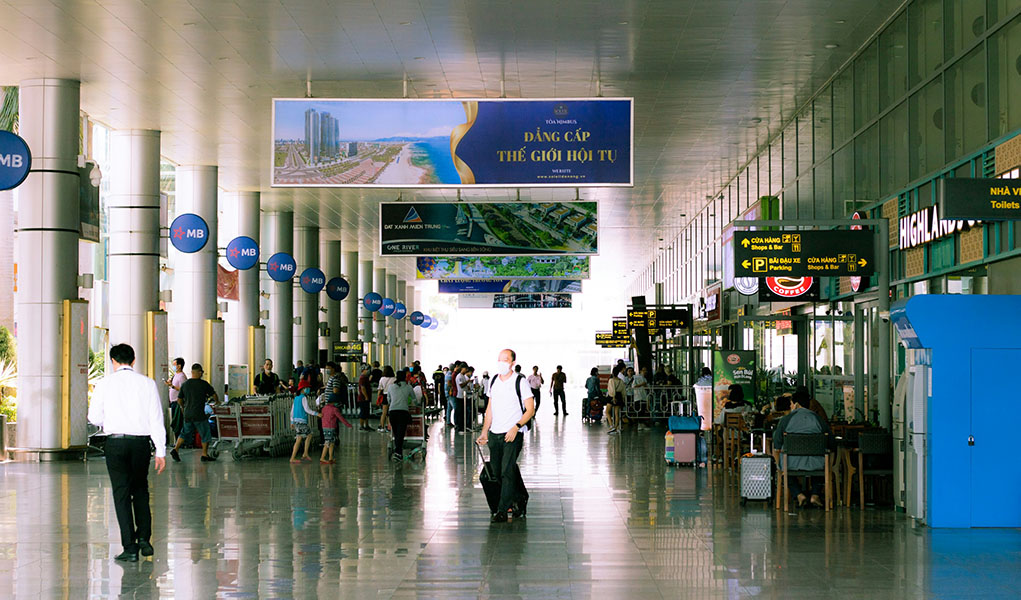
(364, 397)
(127, 406)
(509, 411)
(535, 382)
(461, 385)
(557, 389)
(174, 383)
(195, 393)
(438, 376)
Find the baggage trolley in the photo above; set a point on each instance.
(756, 474)
(259, 424)
(415, 440)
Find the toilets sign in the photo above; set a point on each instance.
(15, 160)
(189, 233)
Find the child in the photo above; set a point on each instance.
(331, 422)
(300, 411)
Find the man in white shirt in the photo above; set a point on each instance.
(462, 385)
(174, 383)
(535, 382)
(126, 405)
(510, 409)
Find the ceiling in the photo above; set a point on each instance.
(712, 80)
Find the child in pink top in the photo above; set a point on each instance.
(331, 423)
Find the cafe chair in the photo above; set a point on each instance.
(734, 428)
(873, 444)
(804, 444)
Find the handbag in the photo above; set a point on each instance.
(689, 424)
(379, 399)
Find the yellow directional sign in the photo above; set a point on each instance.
(803, 254)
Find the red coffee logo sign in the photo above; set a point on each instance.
(789, 287)
(733, 359)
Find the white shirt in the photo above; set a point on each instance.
(175, 385)
(640, 392)
(462, 383)
(535, 381)
(385, 382)
(128, 403)
(504, 402)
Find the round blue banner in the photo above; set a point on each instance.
(189, 233)
(387, 308)
(426, 322)
(337, 288)
(281, 266)
(372, 301)
(243, 253)
(416, 318)
(312, 280)
(434, 325)
(400, 311)
(15, 160)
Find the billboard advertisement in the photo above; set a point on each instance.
(503, 267)
(509, 286)
(486, 228)
(514, 301)
(421, 143)
(732, 367)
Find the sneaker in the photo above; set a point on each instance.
(174, 455)
(208, 459)
(381, 429)
(499, 518)
(565, 414)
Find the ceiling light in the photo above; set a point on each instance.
(419, 58)
(405, 22)
(622, 23)
(840, 21)
(809, 56)
(189, 24)
(615, 56)
(831, 46)
(223, 58)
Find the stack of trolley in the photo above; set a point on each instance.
(258, 425)
(415, 440)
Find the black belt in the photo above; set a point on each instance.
(124, 436)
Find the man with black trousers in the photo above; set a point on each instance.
(511, 406)
(127, 406)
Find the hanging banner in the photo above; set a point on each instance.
(503, 267)
(421, 143)
(509, 286)
(514, 301)
(312, 280)
(427, 322)
(281, 266)
(337, 288)
(732, 367)
(388, 307)
(243, 253)
(400, 311)
(487, 228)
(226, 284)
(15, 160)
(372, 302)
(188, 233)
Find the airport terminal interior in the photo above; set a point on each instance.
(765, 253)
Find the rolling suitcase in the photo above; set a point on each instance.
(491, 485)
(756, 473)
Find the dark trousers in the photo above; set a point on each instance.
(459, 416)
(559, 395)
(814, 486)
(176, 419)
(127, 461)
(536, 393)
(399, 421)
(503, 458)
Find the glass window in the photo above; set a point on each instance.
(843, 107)
(966, 20)
(925, 142)
(1005, 79)
(824, 189)
(866, 84)
(805, 140)
(753, 184)
(790, 154)
(1001, 8)
(843, 182)
(822, 118)
(789, 203)
(893, 149)
(925, 36)
(893, 61)
(775, 167)
(866, 165)
(966, 104)
(806, 197)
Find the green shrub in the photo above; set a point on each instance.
(8, 347)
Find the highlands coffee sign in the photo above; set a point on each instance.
(926, 226)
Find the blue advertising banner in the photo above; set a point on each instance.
(485, 228)
(337, 288)
(427, 322)
(503, 267)
(15, 160)
(243, 253)
(189, 233)
(372, 301)
(387, 307)
(281, 267)
(452, 143)
(312, 280)
(509, 286)
(416, 318)
(400, 311)
(433, 324)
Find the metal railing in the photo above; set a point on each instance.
(659, 402)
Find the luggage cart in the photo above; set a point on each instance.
(416, 439)
(257, 425)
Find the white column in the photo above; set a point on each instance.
(244, 207)
(349, 307)
(306, 306)
(365, 320)
(277, 232)
(403, 354)
(133, 213)
(47, 253)
(194, 297)
(330, 263)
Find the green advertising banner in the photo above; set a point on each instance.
(487, 228)
(503, 267)
(730, 367)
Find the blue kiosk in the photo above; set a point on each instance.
(972, 466)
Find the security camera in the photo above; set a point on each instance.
(885, 316)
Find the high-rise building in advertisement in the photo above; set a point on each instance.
(322, 135)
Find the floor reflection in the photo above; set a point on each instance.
(607, 519)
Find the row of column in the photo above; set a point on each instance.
(297, 328)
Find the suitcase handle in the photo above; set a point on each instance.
(482, 454)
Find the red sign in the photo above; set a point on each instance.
(789, 287)
(733, 359)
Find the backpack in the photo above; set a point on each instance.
(521, 402)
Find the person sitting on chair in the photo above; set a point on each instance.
(802, 420)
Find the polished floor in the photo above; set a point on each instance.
(607, 519)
